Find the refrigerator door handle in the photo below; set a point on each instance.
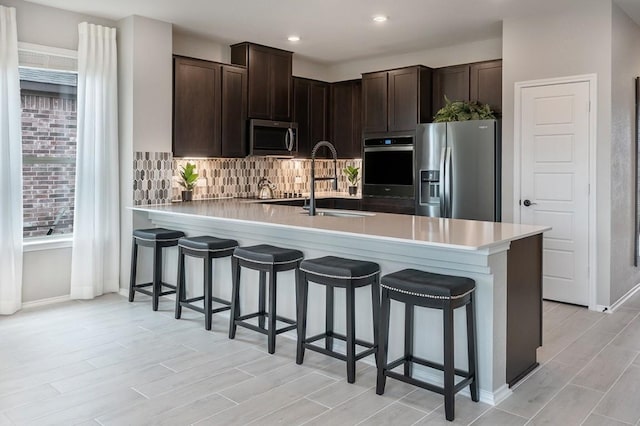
(448, 185)
(443, 196)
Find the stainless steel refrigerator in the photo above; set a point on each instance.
(458, 170)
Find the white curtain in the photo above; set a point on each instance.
(10, 167)
(95, 259)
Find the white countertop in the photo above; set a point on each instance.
(451, 233)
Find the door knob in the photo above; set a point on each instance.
(528, 203)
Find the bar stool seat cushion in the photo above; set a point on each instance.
(338, 267)
(207, 243)
(427, 284)
(267, 254)
(158, 234)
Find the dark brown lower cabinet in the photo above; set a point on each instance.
(524, 306)
(389, 205)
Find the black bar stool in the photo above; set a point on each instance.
(445, 292)
(157, 238)
(206, 248)
(349, 274)
(265, 259)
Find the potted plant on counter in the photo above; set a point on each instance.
(188, 180)
(353, 178)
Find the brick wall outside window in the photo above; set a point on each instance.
(49, 124)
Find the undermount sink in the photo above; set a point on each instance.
(340, 213)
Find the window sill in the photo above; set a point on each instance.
(47, 243)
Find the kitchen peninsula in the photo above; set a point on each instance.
(504, 259)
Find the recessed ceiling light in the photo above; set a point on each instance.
(380, 18)
(293, 38)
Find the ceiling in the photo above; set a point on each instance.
(332, 31)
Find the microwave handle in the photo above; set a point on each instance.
(288, 139)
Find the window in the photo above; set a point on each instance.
(49, 125)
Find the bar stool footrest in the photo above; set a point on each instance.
(308, 344)
(339, 337)
(143, 285)
(264, 330)
(400, 361)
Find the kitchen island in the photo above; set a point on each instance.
(504, 259)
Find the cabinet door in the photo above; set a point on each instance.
(280, 77)
(389, 205)
(260, 87)
(196, 108)
(234, 111)
(374, 102)
(318, 115)
(346, 127)
(486, 84)
(403, 99)
(301, 115)
(452, 82)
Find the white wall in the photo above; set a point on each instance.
(451, 55)
(46, 274)
(145, 73)
(49, 26)
(201, 48)
(571, 42)
(625, 67)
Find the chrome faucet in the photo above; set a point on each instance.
(312, 197)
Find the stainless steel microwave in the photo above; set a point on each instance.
(273, 138)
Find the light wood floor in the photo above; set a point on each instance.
(111, 362)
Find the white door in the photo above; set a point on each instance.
(555, 183)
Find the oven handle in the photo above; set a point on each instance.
(388, 148)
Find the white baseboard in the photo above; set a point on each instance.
(43, 302)
(623, 299)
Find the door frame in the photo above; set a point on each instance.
(592, 79)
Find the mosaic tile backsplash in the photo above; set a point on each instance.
(156, 176)
(239, 177)
(152, 177)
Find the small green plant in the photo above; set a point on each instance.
(188, 176)
(463, 111)
(352, 174)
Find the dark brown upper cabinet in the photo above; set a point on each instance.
(486, 84)
(346, 118)
(234, 111)
(269, 80)
(396, 100)
(311, 112)
(209, 109)
(479, 81)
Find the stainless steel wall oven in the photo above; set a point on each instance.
(388, 167)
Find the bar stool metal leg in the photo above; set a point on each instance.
(134, 267)
(375, 309)
(271, 333)
(351, 335)
(262, 307)
(449, 369)
(180, 287)
(383, 341)
(235, 297)
(329, 318)
(408, 339)
(303, 287)
(157, 275)
(472, 348)
(208, 289)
